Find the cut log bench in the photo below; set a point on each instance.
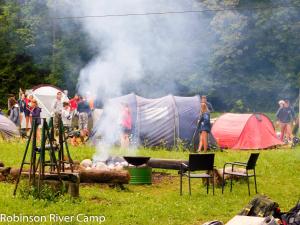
(72, 180)
(104, 176)
(86, 176)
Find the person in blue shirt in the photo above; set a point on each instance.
(204, 127)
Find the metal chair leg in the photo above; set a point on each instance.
(230, 183)
(190, 186)
(213, 183)
(255, 182)
(207, 185)
(223, 182)
(180, 182)
(248, 184)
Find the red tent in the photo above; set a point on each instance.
(244, 131)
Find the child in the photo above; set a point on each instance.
(66, 116)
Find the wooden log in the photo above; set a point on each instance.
(73, 189)
(73, 177)
(1, 164)
(85, 176)
(218, 175)
(104, 176)
(171, 164)
(14, 172)
(76, 164)
(55, 185)
(5, 170)
(2, 178)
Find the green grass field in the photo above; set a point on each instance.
(160, 203)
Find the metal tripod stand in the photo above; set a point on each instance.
(38, 161)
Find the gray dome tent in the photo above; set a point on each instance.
(7, 128)
(162, 120)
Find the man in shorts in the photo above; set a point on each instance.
(286, 116)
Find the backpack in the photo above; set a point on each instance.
(292, 217)
(261, 206)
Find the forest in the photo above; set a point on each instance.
(246, 56)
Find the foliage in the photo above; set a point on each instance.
(255, 56)
(46, 192)
(28, 54)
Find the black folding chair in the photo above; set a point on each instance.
(198, 162)
(250, 165)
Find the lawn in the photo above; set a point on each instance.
(160, 203)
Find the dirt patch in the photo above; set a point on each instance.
(162, 177)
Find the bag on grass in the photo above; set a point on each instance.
(261, 206)
(292, 217)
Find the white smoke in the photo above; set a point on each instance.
(137, 49)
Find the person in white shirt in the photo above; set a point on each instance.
(66, 115)
(56, 108)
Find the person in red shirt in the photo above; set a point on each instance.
(126, 125)
(74, 103)
(73, 110)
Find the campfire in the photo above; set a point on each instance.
(132, 168)
(112, 163)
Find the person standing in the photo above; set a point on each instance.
(29, 110)
(22, 106)
(36, 116)
(14, 115)
(204, 127)
(73, 109)
(74, 103)
(126, 126)
(208, 104)
(56, 108)
(84, 110)
(285, 116)
(66, 116)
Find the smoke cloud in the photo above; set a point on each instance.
(135, 51)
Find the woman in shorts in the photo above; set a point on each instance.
(204, 127)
